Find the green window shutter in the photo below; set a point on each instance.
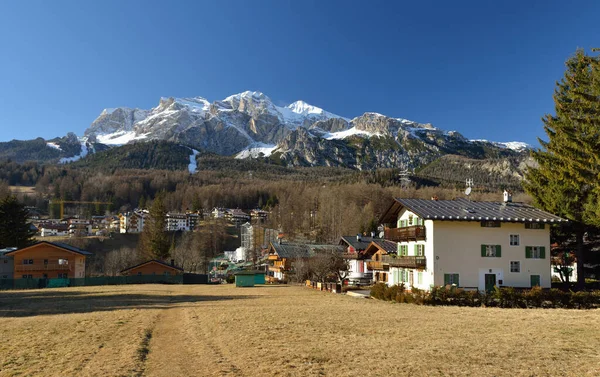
(456, 279)
(528, 252)
(498, 251)
(416, 249)
(543, 252)
(446, 279)
(483, 250)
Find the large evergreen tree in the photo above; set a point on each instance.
(155, 241)
(566, 180)
(15, 229)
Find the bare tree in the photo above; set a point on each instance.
(117, 260)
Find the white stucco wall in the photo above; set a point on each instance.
(458, 250)
(427, 274)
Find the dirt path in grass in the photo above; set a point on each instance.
(181, 346)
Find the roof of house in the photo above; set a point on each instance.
(389, 247)
(465, 210)
(61, 245)
(152, 261)
(291, 251)
(356, 244)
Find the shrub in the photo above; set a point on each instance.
(378, 290)
(230, 279)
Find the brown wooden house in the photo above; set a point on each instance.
(153, 267)
(48, 260)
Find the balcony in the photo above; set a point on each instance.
(418, 262)
(377, 266)
(411, 233)
(41, 267)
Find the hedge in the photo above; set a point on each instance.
(499, 297)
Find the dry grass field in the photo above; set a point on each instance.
(169, 330)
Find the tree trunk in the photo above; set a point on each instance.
(579, 256)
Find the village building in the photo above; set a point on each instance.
(6, 263)
(48, 260)
(132, 222)
(153, 267)
(176, 222)
(473, 245)
(358, 273)
(282, 257)
(50, 230)
(192, 219)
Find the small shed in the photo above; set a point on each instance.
(244, 279)
(259, 277)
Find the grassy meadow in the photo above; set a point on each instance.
(175, 330)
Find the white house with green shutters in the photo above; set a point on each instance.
(473, 245)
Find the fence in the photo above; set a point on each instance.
(9, 284)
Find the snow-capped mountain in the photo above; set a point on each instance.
(249, 124)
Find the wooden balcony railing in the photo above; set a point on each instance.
(405, 261)
(41, 267)
(377, 266)
(411, 233)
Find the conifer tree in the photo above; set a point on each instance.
(566, 180)
(154, 240)
(15, 229)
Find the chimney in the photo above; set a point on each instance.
(372, 234)
(173, 262)
(358, 237)
(507, 196)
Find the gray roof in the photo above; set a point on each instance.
(291, 251)
(388, 246)
(466, 210)
(58, 244)
(357, 245)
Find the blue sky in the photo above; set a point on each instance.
(484, 68)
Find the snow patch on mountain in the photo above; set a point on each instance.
(193, 165)
(514, 145)
(256, 149)
(84, 152)
(53, 145)
(347, 133)
(120, 138)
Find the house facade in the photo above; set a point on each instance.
(6, 264)
(48, 260)
(473, 245)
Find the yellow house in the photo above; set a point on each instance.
(48, 260)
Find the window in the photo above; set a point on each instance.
(27, 261)
(450, 279)
(419, 250)
(403, 250)
(63, 261)
(419, 278)
(534, 280)
(167, 273)
(515, 266)
(490, 224)
(27, 276)
(534, 226)
(6, 261)
(535, 252)
(493, 251)
(410, 219)
(63, 275)
(139, 274)
(514, 240)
